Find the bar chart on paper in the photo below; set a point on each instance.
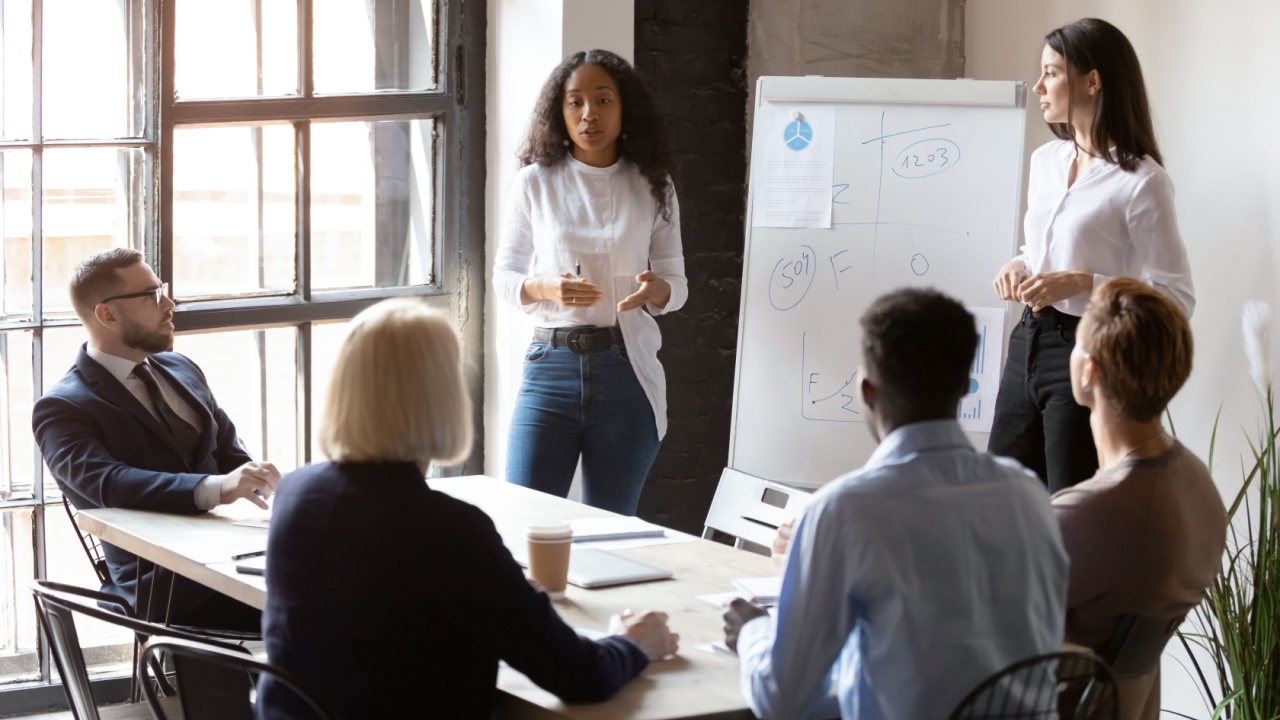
(984, 372)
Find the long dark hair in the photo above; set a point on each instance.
(643, 140)
(1122, 115)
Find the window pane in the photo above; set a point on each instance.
(95, 68)
(93, 200)
(15, 216)
(239, 49)
(15, 83)
(234, 211)
(107, 648)
(18, 658)
(372, 204)
(326, 339)
(61, 346)
(17, 445)
(374, 45)
(253, 375)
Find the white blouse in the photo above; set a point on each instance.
(605, 222)
(1109, 223)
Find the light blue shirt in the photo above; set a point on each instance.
(910, 581)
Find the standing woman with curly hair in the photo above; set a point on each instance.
(1099, 205)
(591, 248)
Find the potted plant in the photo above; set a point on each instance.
(1238, 624)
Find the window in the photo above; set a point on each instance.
(282, 164)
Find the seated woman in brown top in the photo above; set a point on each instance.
(1146, 533)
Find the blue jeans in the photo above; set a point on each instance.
(1037, 420)
(590, 405)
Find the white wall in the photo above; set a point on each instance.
(1213, 75)
(526, 40)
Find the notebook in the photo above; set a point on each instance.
(613, 528)
(760, 590)
(590, 568)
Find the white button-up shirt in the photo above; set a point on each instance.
(604, 222)
(1110, 222)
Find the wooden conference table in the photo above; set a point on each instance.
(693, 684)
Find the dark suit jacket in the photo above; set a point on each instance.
(106, 450)
(397, 601)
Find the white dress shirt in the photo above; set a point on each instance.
(209, 491)
(1110, 222)
(605, 222)
(909, 582)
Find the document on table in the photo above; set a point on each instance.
(794, 161)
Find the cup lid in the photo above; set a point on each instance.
(549, 530)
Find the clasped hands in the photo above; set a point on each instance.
(1041, 290)
(571, 291)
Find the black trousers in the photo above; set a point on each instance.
(1037, 421)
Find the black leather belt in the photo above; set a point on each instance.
(1049, 317)
(581, 340)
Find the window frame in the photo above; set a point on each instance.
(457, 281)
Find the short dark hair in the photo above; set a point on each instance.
(1141, 341)
(918, 346)
(643, 140)
(96, 278)
(1122, 114)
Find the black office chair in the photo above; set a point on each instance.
(92, 547)
(1138, 642)
(216, 683)
(57, 605)
(1066, 685)
(93, 550)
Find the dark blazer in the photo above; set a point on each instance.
(106, 450)
(397, 601)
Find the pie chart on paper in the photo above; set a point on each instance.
(798, 135)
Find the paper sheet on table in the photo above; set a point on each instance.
(717, 648)
(793, 151)
(671, 537)
(979, 402)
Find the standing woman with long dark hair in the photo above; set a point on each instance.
(591, 248)
(1099, 205)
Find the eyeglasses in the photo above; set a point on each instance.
(155, 293)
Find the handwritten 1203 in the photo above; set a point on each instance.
(925, 158)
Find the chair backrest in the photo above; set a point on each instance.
(92, 547)
(1138, 642)
(57, 604)
(214, 683)
(1066, 685)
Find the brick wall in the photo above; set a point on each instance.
(694, 56)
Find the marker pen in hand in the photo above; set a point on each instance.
(577, 269)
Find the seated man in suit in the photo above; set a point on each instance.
(134, 425)
(916, 577)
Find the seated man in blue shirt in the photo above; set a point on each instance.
(918, 576)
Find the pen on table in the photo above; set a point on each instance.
(246, 556)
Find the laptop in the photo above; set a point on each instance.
(593, 568)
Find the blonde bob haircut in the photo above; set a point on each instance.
(1141, 342)
(396, 393)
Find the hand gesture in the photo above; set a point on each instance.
(1042, 290)
(648, 631)
(740, 613)
(253, 481)
(782, 543)
(565, 289)
(1008, 279)
(653, 289)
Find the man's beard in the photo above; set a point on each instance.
(147, 340)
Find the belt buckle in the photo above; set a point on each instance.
(578, 340)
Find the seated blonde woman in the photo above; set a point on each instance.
(1145, 535)
(391, 599)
